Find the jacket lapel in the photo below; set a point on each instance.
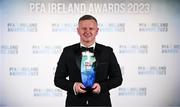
(78, 56)
(97, 53)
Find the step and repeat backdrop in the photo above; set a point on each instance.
(144, 35)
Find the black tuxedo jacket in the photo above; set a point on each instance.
(108, 75)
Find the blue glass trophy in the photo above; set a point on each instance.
(88, 70)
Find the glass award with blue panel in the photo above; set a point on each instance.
(88, 69)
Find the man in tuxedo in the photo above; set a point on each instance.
(88, 70)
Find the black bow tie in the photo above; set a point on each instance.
(83, 49)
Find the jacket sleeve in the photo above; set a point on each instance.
(61, 74)
(115, 77)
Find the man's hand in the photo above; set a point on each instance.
(79, 88)
(96, 88)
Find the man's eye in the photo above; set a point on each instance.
(84, 28)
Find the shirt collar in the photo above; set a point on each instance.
(93, 45)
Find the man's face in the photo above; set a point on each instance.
(87, 30)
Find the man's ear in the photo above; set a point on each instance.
(97, 30)
(77, 30)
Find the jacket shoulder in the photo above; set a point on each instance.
(104, 47)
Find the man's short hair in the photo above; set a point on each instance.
(88, 17)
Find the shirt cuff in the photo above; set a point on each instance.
(74, 89)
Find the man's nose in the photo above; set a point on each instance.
(87, 31)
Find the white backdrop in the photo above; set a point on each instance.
(143, 33)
